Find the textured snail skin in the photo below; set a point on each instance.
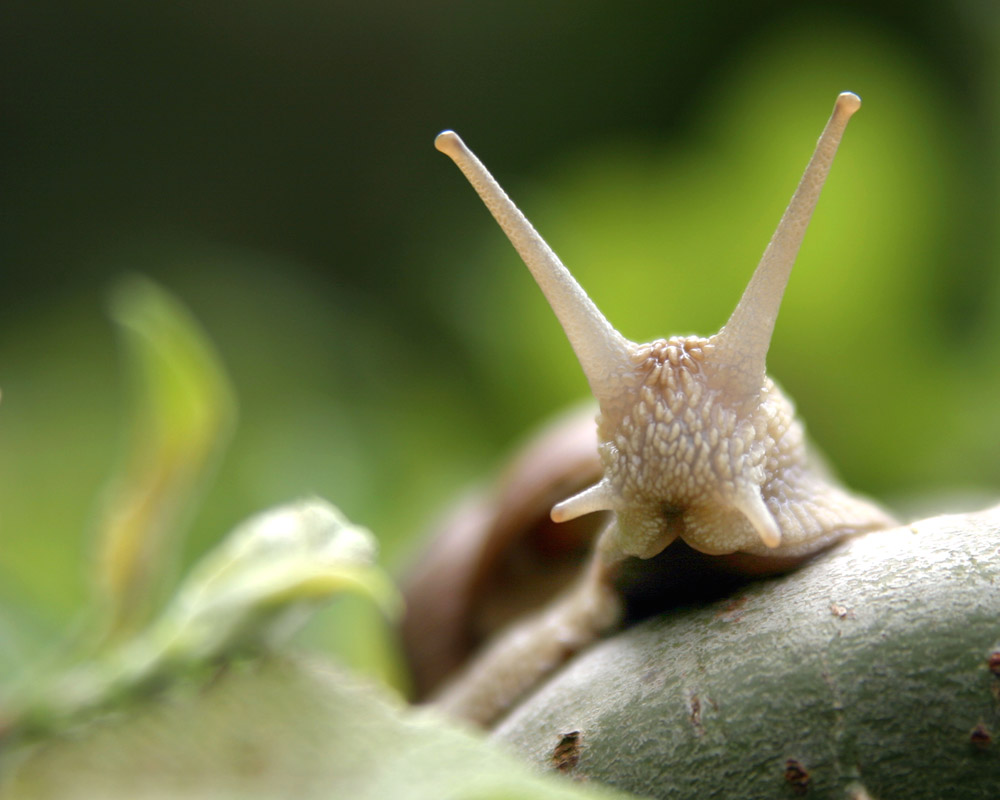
(695, 441)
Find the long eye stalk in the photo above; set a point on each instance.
(743, 343)
(602, 351)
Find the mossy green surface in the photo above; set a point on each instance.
(270, 729)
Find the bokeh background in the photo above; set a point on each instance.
(272, 165)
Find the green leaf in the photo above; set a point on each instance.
(184, 412)
(260, 580)
(247, 595)
(278, 729)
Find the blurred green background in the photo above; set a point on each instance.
(272, 165)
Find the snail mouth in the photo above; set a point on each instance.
(678, 576)
(682, 576)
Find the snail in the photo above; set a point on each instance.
(695, 443)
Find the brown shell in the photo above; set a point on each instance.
(497, 554)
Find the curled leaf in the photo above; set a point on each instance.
(184, 410)
(248, 594)
(267, 575)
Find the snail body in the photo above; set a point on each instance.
(695, 442)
